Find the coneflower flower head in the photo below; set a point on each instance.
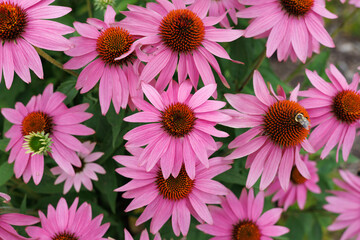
(279, 129)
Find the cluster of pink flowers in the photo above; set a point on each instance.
(170, 160)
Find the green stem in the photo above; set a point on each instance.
(254, 66)
(48, 58)
(343, 23)
(297, 70)
(88, 3)
(300, 67)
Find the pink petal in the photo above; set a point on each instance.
(8, 64)
(318, 31)
(37, 167)
(319, 83)
(270, 168)
(301, 166)
(48, 12)
(200, 208)
(286, 164)
(109, 15)
(247, 148)
(261, 91)
(153, 95)
(86, 30)
(155, 65)
(201, 96)
(204, 68)
(299, 39)
(105, 90)
(222, 35)
(257, 166)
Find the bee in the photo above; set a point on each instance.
(304, 122)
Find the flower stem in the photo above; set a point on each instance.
(88, 3)
(53, 61)
(254, 66)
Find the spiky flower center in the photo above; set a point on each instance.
(346, 106)
(182, 30)
(174, 188)
(286, 123)
(246, 230)
(297, 7)
(37, 122)
(178, 119)
(112, 43)
(65, 236)
(37, 143)
(13, 21)
(296, 176)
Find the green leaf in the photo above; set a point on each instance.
(3, 143)
(107, 184)
(296, 228)
(6, 172)
(316, 231)
(115, 120)
(23, 204)
(68, 88)
(233, 175)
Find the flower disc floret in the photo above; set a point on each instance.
(174, 188)
(182, 30)
(346, 106)
(246, 230)
(112, 43)
(178, 119)
(36, 122)
(37, 143)
(296, 176)
(13, 20)
(283, 123)
(297, 7)
(65, 236)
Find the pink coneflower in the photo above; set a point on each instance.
(180, 129)
(279, 128)
(356, 3)
(241, 219)
(294, 28)
(335, 108)
(85, 173)
(181, 37)
(347, 204)
(8, 219)
(22, 27)
(69, 223)
(45, 125)
(180, 197)
(298, 187)
(97, 47)
(144, 235)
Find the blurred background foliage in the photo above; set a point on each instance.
(308, 224)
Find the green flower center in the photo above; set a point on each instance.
(37, 143)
